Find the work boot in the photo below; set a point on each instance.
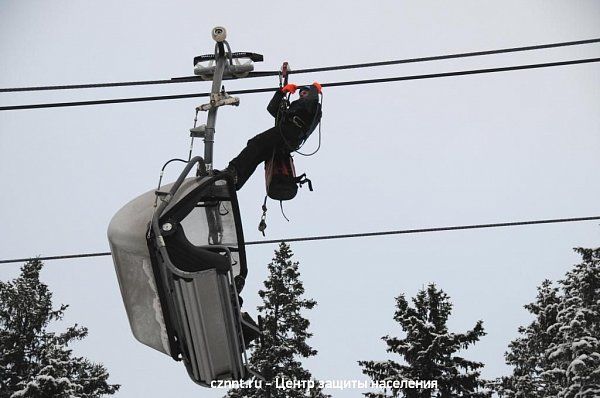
(230, 169)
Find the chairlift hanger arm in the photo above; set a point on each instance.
(219, 34)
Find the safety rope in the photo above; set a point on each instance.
(192, 141)
(319, 142)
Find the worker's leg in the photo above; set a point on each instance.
(259, 149)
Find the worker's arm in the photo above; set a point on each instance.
(275, 103)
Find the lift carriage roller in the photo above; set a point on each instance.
(178, 274)
(229, 70)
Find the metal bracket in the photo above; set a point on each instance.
(284, 74)
(217, 100)
(198, 132)
(165, 196)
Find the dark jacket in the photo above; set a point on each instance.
(307, 109)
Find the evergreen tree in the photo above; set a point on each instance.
(558, 354)
(285, 332)
(34, 362)
(429, 351)
(527, 354)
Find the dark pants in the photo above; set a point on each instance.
(260, 148)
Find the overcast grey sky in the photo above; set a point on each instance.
(461, 150)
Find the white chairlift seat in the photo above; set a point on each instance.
(179, 255)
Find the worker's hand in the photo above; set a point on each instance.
(289, 88)
(318, 87)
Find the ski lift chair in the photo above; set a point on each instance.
(180, 261)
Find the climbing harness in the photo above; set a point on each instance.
(281, 182)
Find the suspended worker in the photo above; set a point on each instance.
(294, 122)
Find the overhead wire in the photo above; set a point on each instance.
(308, 70)
(345, 236)
(442, 57)
(100, 85)
(333, 84)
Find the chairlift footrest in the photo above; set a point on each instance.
(250, 325)
(255, 373)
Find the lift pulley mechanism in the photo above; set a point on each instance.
(254, 57)
(233, 69)
(236, 70)
(180, 260)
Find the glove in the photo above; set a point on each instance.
(289, 88)
(318, 87)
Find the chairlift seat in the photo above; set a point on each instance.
(178, 283)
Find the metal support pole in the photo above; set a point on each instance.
(220, 58)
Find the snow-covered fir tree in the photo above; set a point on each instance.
(429, 351)
(558, 354)
(36, 363)
(527, 354)
(285, 331)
